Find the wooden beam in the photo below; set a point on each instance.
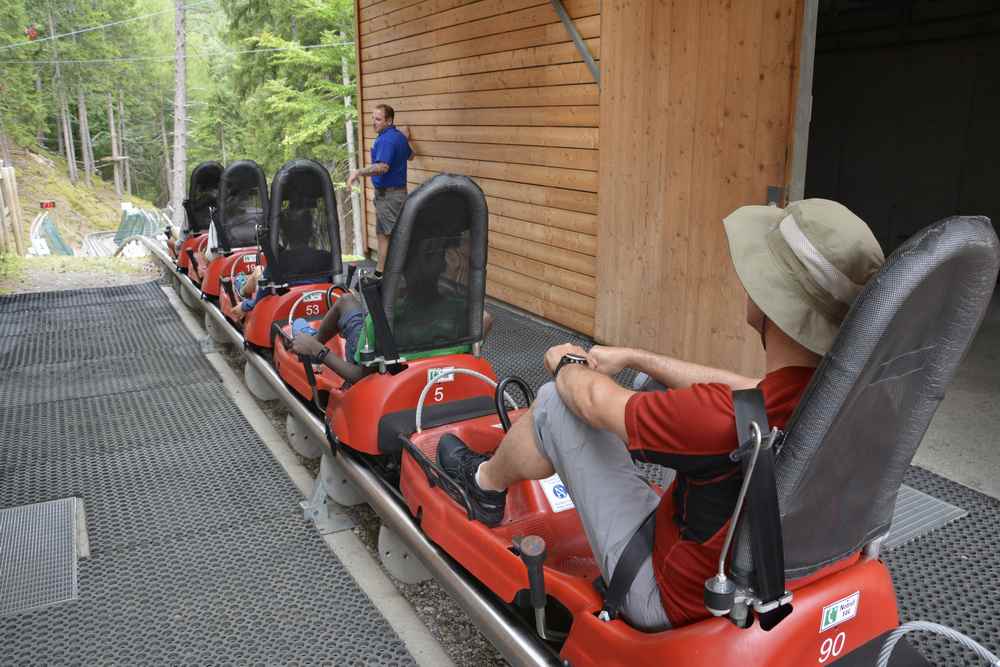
(534, 56)
(478, 29)
(561, 137)
(551, 33)
(436, 15)
(577, 116)
(527, 77)
(544, 156)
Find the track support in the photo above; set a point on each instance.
(396, 556)
(258, 384)
(341, 489)
(325, 514)
(300, 439)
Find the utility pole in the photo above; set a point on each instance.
(352, 161)
(180, 115)
(168, 175)
(115, 157)
(122, 151)
(63, 105)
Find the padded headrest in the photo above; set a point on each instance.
(435, 216)
(872, 398)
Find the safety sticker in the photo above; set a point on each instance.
(249, 259)
(314, 296)
(440, 374)
(842, 610)
(556, 493)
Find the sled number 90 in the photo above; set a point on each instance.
(832, 646)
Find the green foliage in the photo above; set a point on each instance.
(283, 100)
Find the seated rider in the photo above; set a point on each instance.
(801, 267)
(437, 313)
(297, 225)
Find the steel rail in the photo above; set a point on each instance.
(512, 638)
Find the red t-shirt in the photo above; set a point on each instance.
(693, 431)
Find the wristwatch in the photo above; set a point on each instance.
(569, 359)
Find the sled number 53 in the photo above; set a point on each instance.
(832, 646)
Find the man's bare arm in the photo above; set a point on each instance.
(594, 398)
(376, 169)
(673, 373)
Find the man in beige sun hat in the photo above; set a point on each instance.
(802, 268)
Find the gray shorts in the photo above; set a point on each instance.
(388, 204)
(611, 497)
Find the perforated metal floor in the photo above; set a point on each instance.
(199, 551)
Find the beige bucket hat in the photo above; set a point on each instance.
(803, 265)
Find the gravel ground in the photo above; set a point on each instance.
(47, 274)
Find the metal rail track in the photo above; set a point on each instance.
(511, 637)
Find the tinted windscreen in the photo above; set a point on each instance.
(431, 308)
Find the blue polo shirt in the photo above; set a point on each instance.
(392, 148)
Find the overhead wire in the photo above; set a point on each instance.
(171, 57)
(101, 27)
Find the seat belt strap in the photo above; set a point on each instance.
(764, 515)
(385, 342)
(638, 549)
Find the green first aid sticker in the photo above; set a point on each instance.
(842, 610)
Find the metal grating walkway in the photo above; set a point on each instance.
(199, 551)
(38, 556)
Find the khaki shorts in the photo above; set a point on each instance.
(388, 204)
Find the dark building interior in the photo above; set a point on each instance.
(906, 111)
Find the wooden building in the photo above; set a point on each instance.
(606, 193)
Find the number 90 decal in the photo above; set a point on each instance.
(832, 646)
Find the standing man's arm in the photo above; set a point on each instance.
(376, 169)
(405, 131)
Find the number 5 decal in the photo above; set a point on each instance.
(832, 646)
(438, 393)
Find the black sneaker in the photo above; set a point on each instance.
(461, 463)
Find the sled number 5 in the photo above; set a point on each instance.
(438, 393)
(832, 646)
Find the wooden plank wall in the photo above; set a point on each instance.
(494, 89)
(696, 103)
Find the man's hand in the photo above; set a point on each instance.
(609, 360)
(554, 354)
(306, 345)
(351, 178)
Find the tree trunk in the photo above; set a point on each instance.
(67, 130)
(40, 136)
(5, 146)
(167, 174)
(122, 151)
(180, 114)
(115, 158)
(222, 143)
(81, 109)
(352, 161)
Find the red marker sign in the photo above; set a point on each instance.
(47, 204)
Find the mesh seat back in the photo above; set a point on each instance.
(203, 195)
(872, 398)
(242, 202)
(435, 273)
(302, 236)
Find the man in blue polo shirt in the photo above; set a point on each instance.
(390, 153)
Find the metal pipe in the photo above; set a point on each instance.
(516, 642)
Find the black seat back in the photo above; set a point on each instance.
(302, 235)
(872, 398)
(242, 205)
(435, 272)
(203, 195)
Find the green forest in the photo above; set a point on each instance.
(265, 81)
